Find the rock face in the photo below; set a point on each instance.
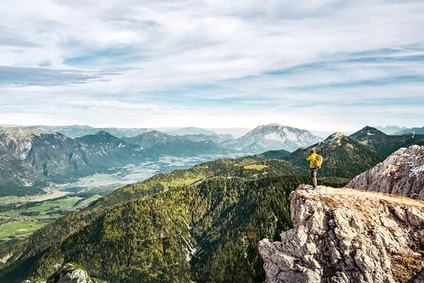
(30, 159)
(345, 235)
(402, 173)
(70, 273)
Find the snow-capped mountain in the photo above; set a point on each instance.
(273, 137)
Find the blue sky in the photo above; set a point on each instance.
(317, 65)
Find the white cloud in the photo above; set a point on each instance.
(169, 52)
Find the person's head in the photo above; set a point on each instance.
(312, 151)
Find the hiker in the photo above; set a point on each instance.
(315, 162)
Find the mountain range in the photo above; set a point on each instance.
(31, 158)
(201, 224)
(391, 130)
(416, 130)
(347, 156)
(386, 144)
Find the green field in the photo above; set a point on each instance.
(23, 217)
(18, 229)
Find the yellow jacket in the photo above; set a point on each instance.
(311, 158)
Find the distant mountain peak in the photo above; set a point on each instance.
(333, 138)
(102, 133)
(20, 133)
(272, 125)
(370, 130)
(275, 137)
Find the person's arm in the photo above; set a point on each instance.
(309, 158)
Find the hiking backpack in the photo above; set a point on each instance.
(318, 161)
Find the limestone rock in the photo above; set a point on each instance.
(402, 173)
(71, 273)
(347, 236)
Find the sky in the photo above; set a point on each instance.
(317, 65)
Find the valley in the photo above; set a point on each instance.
(20, 216)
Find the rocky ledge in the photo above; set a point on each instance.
(346, 235)
(72, 273)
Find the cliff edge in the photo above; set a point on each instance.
(346, 235)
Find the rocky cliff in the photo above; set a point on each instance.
(30, 159)
(71, 273)
(345, 235)
(402, 173)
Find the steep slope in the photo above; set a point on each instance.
(344, 235)
(207, 232)
(343, 156)
(16, 176)
(48, 153)
(71, 273)
(30, 159)
(25, 252)
(402, 173)
(273, 137)
(386, 144)
(104, 150)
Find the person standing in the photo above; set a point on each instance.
(312, 158)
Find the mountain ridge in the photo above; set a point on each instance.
(386, 144)
(402, 173)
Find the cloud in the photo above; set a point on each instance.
(18, 76)
(250, 61)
